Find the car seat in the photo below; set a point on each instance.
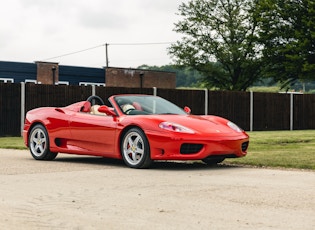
(127, 108)
(94, 110)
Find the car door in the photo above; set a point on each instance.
(93, 134)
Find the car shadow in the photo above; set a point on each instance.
(91, 160)
(189, 165)
(157, 165)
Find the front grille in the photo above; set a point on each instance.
(245, 146)
(190, 148)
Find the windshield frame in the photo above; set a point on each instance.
(146, 105)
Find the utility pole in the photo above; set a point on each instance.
(106, 53)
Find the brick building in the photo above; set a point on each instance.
(138, 78)
(53, 73)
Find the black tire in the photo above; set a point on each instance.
(135, 149)
(39, 144)
(213, 160)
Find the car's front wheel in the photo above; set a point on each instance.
(135, 149)
(39, 144)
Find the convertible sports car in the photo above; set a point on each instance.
(136, 128)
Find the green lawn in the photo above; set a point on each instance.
(12, 143)
(288, 149)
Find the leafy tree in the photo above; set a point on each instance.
(287, 35)
(219, 41)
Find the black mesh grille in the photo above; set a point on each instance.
(244, 146)
(190, 148)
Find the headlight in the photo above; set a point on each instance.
(170, 126)
(234, 127)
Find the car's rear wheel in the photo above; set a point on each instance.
(39, 144)
(135, 149)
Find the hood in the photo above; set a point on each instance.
(199, 124)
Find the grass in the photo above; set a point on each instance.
(12, 143)
(286, 149)
(265, 89)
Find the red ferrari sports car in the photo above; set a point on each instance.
(136, 128)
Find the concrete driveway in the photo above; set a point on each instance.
(78, 192)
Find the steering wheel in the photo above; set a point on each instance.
(95, 100)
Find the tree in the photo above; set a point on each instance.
(219, 41)
(287, 35)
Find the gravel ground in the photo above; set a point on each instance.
(78, 192)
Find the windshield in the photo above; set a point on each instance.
(139, 104)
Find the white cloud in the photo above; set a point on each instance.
(32, 30)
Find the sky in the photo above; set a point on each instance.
(74, 32)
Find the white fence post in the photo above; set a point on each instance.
(22, 106)
(93, 90)
(154, 91)
(291, 111)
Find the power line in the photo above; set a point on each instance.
(75, 52)
(106, 48)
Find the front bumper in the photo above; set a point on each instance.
(197, 147)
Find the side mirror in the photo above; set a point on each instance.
(106, 110)
(187, 109)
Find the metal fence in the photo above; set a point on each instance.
(251, 111)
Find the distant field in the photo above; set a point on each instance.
(287, 149)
